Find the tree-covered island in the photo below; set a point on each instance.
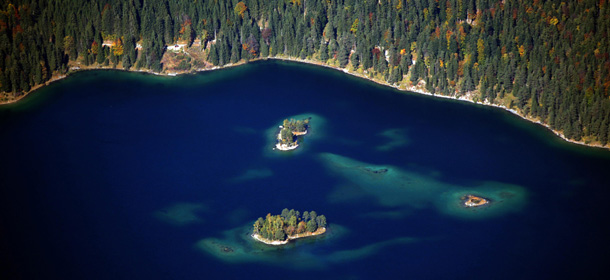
(290, 130)
(289, 225)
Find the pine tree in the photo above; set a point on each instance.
(323, 52)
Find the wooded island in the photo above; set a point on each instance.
(290, 130)
(290, 224)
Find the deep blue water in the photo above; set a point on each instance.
(89, 162)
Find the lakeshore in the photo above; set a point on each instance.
(259, 238)
(419, 88)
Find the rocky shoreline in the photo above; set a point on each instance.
(466, 98)
(284, 147)
(474, 201)
(281, 145)
(416, 89)
(259, 238)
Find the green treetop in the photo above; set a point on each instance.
(292, 128)
(288, 223)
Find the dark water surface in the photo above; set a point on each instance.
(114, 175)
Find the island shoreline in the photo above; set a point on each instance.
(259, 238)
(284, 147)
(413, 89)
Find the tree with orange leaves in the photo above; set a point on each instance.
(240, 9)
(94, 47)
(117, 49)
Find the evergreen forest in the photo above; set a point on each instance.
(291, 129)
(547, 59)
(288, 223)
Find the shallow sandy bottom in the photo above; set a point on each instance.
(505, 198)
(237, 246)
(180, 214)
(393, 187)
(252, 174)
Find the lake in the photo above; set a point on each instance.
(117, 175)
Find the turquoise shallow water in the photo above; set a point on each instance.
(125, 175)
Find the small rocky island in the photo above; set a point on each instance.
(289, 225)
(474, 201)
(290, 131)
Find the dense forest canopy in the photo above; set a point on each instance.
(289, 223)
(291, 129)
(547, 59)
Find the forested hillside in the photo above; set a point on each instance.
(547, 59)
